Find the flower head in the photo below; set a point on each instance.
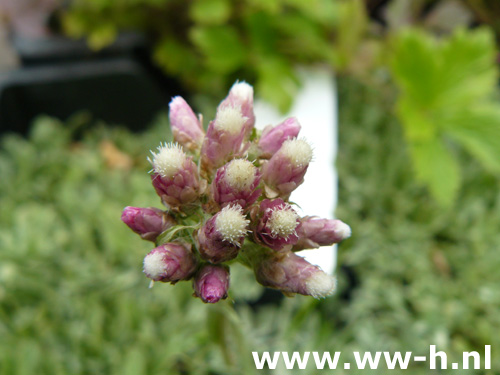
(236, 183)
(221, 237)
(170, 262)
(272, 138)
(286, 168)
(169, 160)
(315, 232)
(231, 224)
(175, 176)
(241, 95)
(293, 274)
(277, 225)
(224, 137)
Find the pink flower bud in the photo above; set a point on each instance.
(286, 168)
(170, 262)
(186, 127)
(221, 237)
(236, 182)
(315, 232)
(272, 138)
(277, 225)
(224, 137)
(293, 274)
(241, 95)
(211, 283)
(149, 223)
(175, 176)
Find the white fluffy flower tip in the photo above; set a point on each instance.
(320, 284)
(240, 174)
(298, 151)
(242, 91)
(343, 230)
(154, 265)
(168, 160)
(231, 224)
(229, 120)
(283, 221)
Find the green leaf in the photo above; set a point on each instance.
(261, 33)
(210, 12)
(102, 36)
(221, 46)
(134, 362)
(174, 56)
(352, 25)
(320, 11)
(414, 67)
(467, 67)
(438, 75)
(418, 127)
(437, 168)
(277, 83)
(445, 87)
(478, 130)
(174, 232)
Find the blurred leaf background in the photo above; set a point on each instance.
(419, 157)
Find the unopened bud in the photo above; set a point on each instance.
(277, 225)
(221, 237)
(293, 274)
(175, 176)
(211, 283)
(315, 232)
(285, 171)
(149, 223)
(170, 262)
(236, 183)
(186, 127)
(272, 138)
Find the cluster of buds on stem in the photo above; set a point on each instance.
(223, 206)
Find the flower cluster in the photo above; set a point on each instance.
(226, 195)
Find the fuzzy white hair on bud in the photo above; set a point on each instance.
(231, 224)
(177, 101)
(240, 174)
(242, 91)
(283, 221)
(343, 230)
(320, 284)
(155, 265)
(168, 160)
(298, 151)
(229, 120)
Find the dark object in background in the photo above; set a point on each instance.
(60, 76)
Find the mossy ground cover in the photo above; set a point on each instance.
(422, 274)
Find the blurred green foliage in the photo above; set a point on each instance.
(422, 275)
(447, 91)
(445, 84)
(208, 44)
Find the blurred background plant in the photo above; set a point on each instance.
(418, 87)
(444, 85)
